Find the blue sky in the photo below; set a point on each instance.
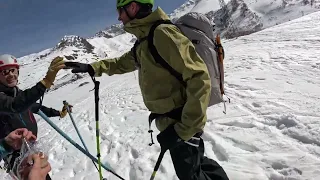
(29, 26)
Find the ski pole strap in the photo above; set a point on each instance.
(224, 103)
(173, 114)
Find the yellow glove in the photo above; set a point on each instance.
(56, 65)
(64, 110)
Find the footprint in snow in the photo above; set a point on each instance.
(287, 121)
(302, 137)
(134, 153)
(260, 79)
(218, 150)
(133, 174)
(238, 124)
(245, 78)
(256, 105)
(243, 145)
(124, 118)
(90, 128)
(284, 169)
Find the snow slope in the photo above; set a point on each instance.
(271, 129)
(279, 11)
(205, 6)
(202, 6)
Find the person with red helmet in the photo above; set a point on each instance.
(9, 70)
(17, 106)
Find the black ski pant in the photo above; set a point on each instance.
(191, 164)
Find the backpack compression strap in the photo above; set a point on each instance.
(156, 56)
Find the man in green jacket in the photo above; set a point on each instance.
(179, 110)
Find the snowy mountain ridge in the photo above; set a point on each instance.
(234, 18)
(237, 18)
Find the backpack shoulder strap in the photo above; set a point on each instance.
(156, 56)
(134, 50)
(176, 113)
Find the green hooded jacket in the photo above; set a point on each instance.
(161, 91)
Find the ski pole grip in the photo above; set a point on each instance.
(65, 102)
(67, 105)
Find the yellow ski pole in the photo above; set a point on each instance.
(96, 96)
(157, 164)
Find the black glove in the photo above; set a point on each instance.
(80, 67)
(169, 138)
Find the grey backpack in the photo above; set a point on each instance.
(200, 31)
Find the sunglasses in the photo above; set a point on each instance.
(6, 72)
(120, 10)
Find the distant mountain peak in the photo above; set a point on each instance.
(112, 31)
(75, 41)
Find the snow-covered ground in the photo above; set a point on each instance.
(271, 130)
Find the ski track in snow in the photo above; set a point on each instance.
(271, 130)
